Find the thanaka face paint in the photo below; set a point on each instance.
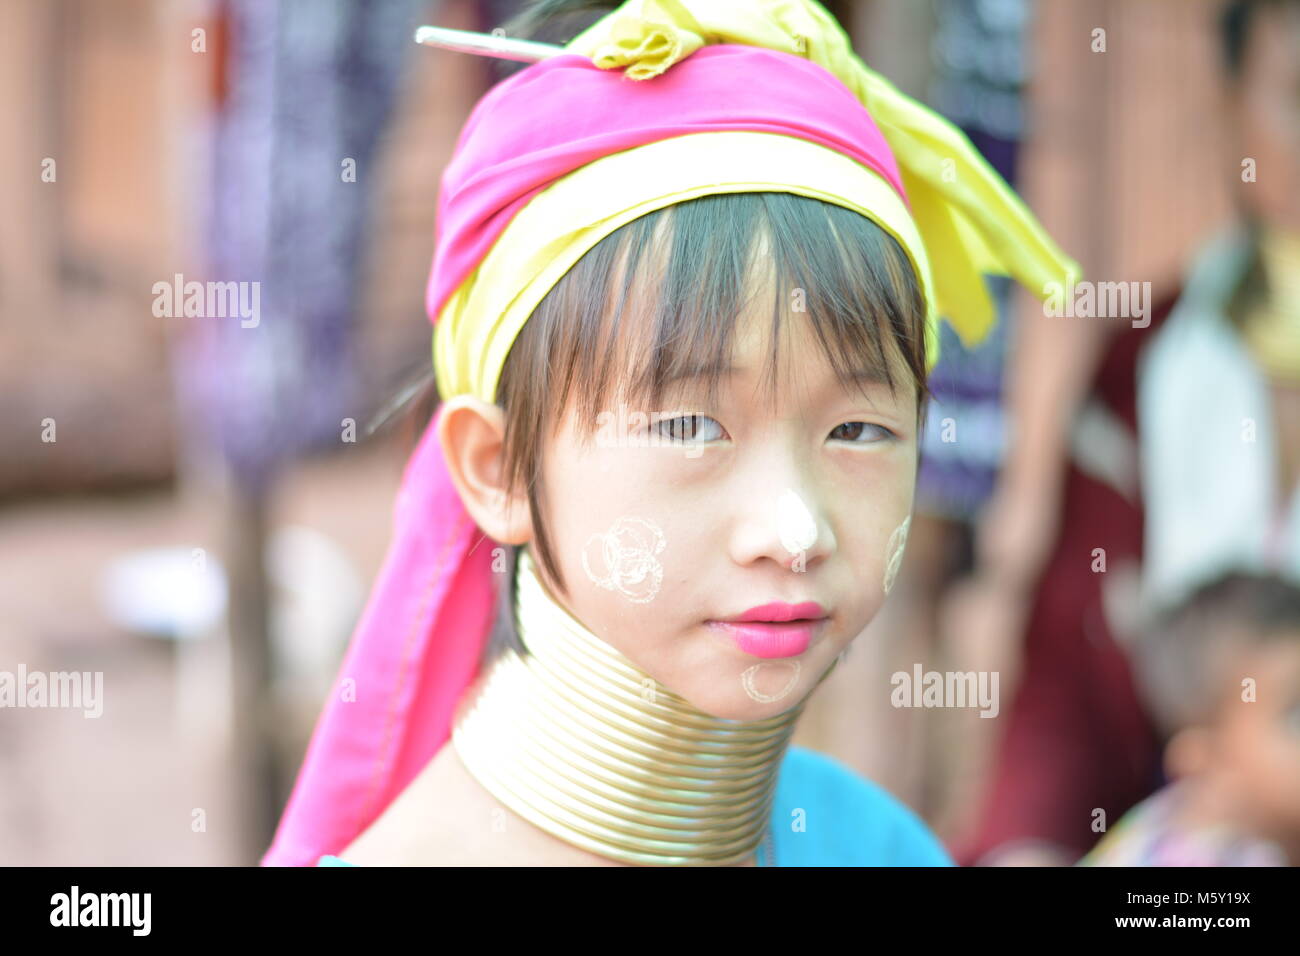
(624, 559)
(749, 678)
(795, 523)
(894, 552)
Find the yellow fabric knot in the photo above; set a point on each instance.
(648, 44)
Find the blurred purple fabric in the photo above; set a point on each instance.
(310, 88)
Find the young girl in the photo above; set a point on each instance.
(684, 311)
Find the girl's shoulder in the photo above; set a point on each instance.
(826, 814)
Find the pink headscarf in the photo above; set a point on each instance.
(420, 639)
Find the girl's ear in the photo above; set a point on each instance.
(472, 435)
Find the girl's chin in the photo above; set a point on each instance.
(729, 684)
(749, 697)
(749, 711)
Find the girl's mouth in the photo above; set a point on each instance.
(771, 639)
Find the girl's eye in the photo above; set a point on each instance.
(686, 428)
(861, 433)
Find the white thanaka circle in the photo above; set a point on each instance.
(627, 555)
(747, 681)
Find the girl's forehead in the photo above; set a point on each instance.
(759, 335)
(789, 344)
(780, 362)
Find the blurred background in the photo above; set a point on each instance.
(196, 507)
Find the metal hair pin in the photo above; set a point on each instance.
(486, 44)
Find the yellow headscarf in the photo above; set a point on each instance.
(964, 218)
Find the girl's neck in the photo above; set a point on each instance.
(574, 738)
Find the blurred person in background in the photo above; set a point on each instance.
(1221, 676)
(1174, 448)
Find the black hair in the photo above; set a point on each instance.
(1234, 31)
(1180, 659)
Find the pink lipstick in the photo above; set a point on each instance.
(774, 630)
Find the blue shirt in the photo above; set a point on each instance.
(825, 814)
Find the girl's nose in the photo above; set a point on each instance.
(786, 528)
(795, 524)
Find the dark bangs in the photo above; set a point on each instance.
(660, 298)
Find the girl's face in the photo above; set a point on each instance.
(670, 521)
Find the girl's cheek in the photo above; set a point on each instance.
(626, 558)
